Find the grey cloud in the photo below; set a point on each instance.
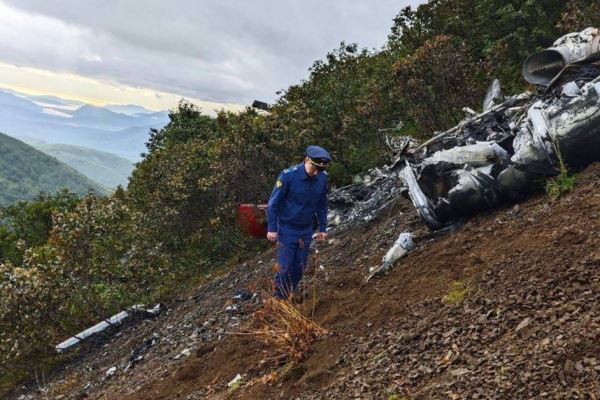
(227, 51)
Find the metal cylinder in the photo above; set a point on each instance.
(540, 68)
(543, 67)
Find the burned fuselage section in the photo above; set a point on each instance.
(503, 153)
(446, 184)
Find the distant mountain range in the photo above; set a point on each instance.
(25, 171)
(119, 129)
(105, 168)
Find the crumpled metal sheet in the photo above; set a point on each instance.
(424, 207)
(493, 96)
(362, 201)
(570, 124)
(455, 182)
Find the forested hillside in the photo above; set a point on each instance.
(25, 172)
(176, 220)
(105, 168)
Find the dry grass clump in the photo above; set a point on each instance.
(285, 330)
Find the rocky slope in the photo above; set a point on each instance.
(504, 308)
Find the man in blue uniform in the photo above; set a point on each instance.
(299, 195)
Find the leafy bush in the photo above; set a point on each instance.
(580, 14)
(438, 93)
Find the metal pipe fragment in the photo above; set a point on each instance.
(115, 320)
(99, 327)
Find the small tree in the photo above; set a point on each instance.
(437, 81)
(580, 14)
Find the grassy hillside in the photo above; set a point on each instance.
(105, 168)
(25, 171)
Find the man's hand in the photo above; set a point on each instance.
(322, 236)
(272, 236)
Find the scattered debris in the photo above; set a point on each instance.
(111, 371)
(154, 311)
(402, 246)
(137, 354)
(235, 382)
(243, 295)
(234, 309)
(500, 154)
(111, 322)
(184, 354)
(360, 203)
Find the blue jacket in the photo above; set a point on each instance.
(295, 200)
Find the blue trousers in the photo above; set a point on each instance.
(293, 260)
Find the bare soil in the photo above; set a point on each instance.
(527, 327)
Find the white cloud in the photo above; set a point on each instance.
(224, 51)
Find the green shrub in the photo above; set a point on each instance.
(563, 182)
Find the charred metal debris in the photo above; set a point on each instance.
(498, 155)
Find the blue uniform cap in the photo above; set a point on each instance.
(317, 152)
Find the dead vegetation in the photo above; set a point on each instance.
(286, 330)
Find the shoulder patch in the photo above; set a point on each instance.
(278, 183)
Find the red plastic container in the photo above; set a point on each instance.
(252, 219)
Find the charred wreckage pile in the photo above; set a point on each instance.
(498, 155)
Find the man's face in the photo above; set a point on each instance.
(314, 166)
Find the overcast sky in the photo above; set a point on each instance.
(152, 52)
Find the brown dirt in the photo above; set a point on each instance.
(394, 335)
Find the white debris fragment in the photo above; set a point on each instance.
(402, 246)
(113, 321)
(184, 353)
(570, 90)
(475, 155)
(111, 371)
(99, 327)
(235, 381)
